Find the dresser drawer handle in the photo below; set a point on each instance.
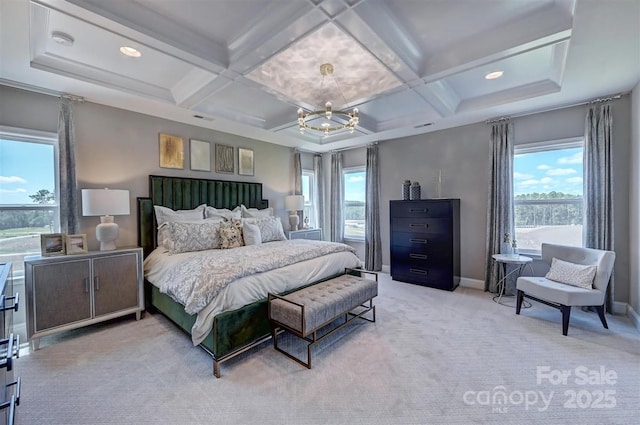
(11, 404)
(14, 307)
(422, 210)
(96, 279)
(423, 241)
(418, 271)
(13, 350)
(425, 225)
(418, 256)
(18, 384)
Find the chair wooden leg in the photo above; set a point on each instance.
(519, 299)
(566, 313)
(600, 310)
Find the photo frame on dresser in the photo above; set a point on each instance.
(76, 244)
(52, 244)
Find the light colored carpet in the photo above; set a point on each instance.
(432, 357)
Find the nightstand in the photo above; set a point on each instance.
(71, 291)
(313, 234)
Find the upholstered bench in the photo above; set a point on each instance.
(306, 311)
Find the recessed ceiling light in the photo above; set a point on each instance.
(130, 51)
(62, 38)
(494, 75)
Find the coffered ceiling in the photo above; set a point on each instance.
(245, 67)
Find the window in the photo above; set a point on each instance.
(548, 194)
(28, 183)
(354, 199)
(308, 191)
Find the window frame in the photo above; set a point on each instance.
(545, 146)
(43, 137)
(310, 207)
(345, 171)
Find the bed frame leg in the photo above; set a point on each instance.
(216, 369)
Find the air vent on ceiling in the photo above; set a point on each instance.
(423, 125)
(202, 117)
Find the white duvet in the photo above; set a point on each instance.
(248, 289)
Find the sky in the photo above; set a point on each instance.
(354, 187)
(18, 181)
(556, 170)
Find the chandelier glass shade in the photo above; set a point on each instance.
(349, 119)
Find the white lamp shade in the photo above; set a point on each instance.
(105, 202)
(294, 202)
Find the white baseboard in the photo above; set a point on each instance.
(620, 308)
(466, 282)
(386, 268)
(634, 316)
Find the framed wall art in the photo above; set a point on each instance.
(200, 152)
(52, 244)
(76, 244)
(245, 162)
(171, 151)
(224, 159)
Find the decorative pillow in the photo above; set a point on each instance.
(231, 234)
(222, 213)
(571, 274)
(256, 213)
(251, 234)
(192, 236)
(270, 228)
(164, 215)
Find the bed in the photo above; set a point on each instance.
(226, 331)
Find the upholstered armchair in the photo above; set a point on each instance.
(571, 268)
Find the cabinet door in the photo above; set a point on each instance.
(61, 293)
(115, 283)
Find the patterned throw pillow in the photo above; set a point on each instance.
(571, 274)
(251, 234)
(256, 213)
(192, 236)
(165, 215)
(270, 228)
(231, 234)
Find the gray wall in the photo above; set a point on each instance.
(634, 201)
(119, 149)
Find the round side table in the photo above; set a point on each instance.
(520, 260)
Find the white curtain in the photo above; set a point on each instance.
(337, 198)
(68, 196)
(500, 210)
(372, 243)
(319, 192)
(598, 184)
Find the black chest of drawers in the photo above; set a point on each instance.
(425, 242)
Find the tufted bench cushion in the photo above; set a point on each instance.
(322, 303)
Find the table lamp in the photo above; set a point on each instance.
(294, 203)
(105, 203)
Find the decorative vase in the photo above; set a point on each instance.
(415, 191)
(506, 245)
(405, 190)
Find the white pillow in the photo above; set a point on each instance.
(270, 228)
(192, 236)
(251, 234)
(223, 213)
(256, 213)
(571, 274)
(165, 215)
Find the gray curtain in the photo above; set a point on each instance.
(319, 192)
(500, 210)
(337, 198)
(372, 243)
(598, 184)
(68, 196)
(297, 183)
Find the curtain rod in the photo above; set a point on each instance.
(587, 102)
(42, 90)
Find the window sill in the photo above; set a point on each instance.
(355, 240)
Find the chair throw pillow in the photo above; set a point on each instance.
(231, 234)
(571, 274)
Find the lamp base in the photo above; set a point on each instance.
(107, 233)
(294, 220)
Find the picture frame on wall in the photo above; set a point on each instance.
(171, 151)
(200, 152)
(224, 159)
(52, 244)
(245, 162)
(76, 244)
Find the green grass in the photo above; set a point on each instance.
(23, 231)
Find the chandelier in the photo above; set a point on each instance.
(326, 69)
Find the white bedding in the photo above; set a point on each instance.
(252, 288)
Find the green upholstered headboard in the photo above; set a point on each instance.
(182, 193)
